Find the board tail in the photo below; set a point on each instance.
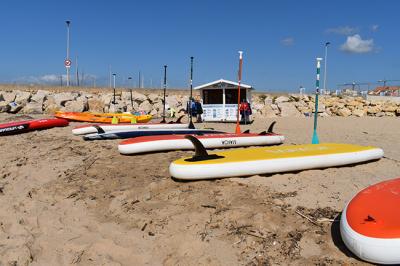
(200, 152)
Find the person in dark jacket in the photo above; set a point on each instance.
(199, 110)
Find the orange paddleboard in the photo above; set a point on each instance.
(103, 118)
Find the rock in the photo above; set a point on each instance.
(145, 106)
(389, 108)
(267, 111)
(51, 108)
(282, 99)
(4, 107)
(22, 97)
(380, 114)
(138, 97)
(371, 110)
(359, 112)
(15, 107)
(32, 108)
(172, 101)
(39, 97)
(257, 106)
(79, 105)
(397, 112)
(343, 112)
(153, 97)
(119, 107)
(7, 96)
(106, 98)
(288, 110)
(268, 100)
(95, 105)
(390, 114)
(62, 98)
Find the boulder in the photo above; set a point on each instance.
(32, 108)
(106, 98)
(288, 110)
(146, 106)
(380, 114)
(282, 99)
(8, 96)
(95, 105)
(267, 111)
(397, 112)
(79, 105)
(15, 107)
(390, 114)
(4, 107)
(359, 112)
(153, 97)
(118, 107)
(371, 110)
(138, 97)
(343, 112)
(172, 101)
(51, 108)
(389, 108)
(39, 97)
(22, 97)
(62, 98)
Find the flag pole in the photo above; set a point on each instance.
(237, 131)
(315, 139)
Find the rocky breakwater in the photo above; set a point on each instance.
(263, 105)
(47, 102)
(295, 105)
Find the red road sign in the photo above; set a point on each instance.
(67, 63)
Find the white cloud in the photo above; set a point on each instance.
(288, 41)
(344, 30)
(52, 79)
(375, 27)
(355, 44)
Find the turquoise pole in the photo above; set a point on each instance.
(315, 139)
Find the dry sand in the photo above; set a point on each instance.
(64, 201)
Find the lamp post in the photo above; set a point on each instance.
(237, 130)
(325, 63)
(114, 87)
(67, 61)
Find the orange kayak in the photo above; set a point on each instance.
(104, 117)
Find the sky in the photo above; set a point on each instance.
(280, 41)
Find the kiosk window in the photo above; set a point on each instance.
(212, 96)
(231, 96)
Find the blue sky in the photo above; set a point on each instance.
(280, 40)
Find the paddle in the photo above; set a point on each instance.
(315, 139)
(191, 94)
(165, 88)
(239, 80)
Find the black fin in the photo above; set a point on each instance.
(200, 152)
(271, 127)
(263, 133)
(99, 129)
(178, 121)
(246, 132)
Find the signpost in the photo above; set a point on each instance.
(315, 139)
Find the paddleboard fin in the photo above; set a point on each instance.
(271, 127)
(178, 121)
(200, 152)
(99, 129)
(262, 133)
(246, 132)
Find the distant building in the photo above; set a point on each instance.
(220, 99)
(386, 91)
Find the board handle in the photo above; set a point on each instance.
(200, 152)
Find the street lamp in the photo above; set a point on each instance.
(191, 94)
(326, 60)
(165, 88)
(114, 87)
(67, 61)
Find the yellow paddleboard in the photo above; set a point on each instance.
(244, 162)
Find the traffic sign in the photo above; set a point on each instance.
(67, 63)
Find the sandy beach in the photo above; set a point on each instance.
(65, 201)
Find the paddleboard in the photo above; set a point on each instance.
(145, 132)
(209, 141)
(103, 118)
(90, 128)
(29, 125)
(370, 223)
(263, 160)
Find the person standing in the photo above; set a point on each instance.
(245, 112)
(199, 110)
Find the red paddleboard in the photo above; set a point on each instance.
(370, 223)
(29, 125)
(179, 142)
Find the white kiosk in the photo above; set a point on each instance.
(220, 98)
